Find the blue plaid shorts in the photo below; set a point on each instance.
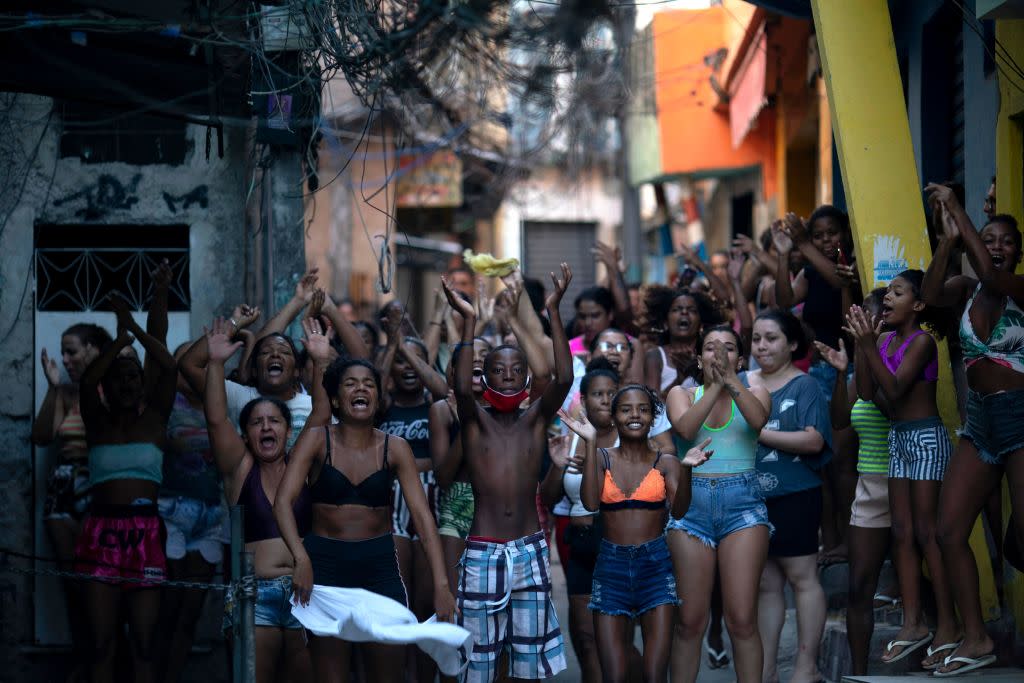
(505, 602)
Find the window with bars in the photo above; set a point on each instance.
(78, 266)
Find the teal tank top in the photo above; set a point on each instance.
(873, 436)
(125, 461)
(734, 444)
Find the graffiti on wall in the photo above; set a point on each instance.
(198, 195)
(107, 194)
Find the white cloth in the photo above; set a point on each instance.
(359, 616)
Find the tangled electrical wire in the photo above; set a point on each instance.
(518, 79)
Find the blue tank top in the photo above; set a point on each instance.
(734, 444)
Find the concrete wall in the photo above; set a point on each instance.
(38, 187)
(549, 194)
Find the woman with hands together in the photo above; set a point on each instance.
(705, 538)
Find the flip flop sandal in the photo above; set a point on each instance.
(935, 650)
(716, 659)
(908, 647)
(969, 664)
(886, 600)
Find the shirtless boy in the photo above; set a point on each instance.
(504, 594)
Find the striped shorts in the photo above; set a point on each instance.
(401, 518)
(919, 450)
(505, 602)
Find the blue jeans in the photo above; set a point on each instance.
(995, 424)
(273, 605)
(721, 506)
(632, 579)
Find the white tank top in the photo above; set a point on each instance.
(572, 480)
(668, 373)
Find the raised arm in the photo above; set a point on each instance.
(90, 403)
(555, 393)
(432, 335)
(432, 379)
(227, 446)
(193, 364)
(1002, 282)
(51, 412)
(304, 291)
(841, 404)
(536, 357)
(786, 295)
(160, 391)
(739, 300)
(719, 288)
(528, 317)
(610, 257)
(593, 471)
(462, 356)
(551, 490)
(795, 227)
(319, 348)
(347, 333)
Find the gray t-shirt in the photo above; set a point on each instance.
(796, 405)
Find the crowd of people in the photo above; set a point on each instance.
(689, 449)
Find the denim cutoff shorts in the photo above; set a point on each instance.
(721, 506)
(995, 424)
(632, 579)
(273, 605)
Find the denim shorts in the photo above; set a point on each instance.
(193, 525)
(273, 605)
(995, 424)
(632, 579)
(721, 506)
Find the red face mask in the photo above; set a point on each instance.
(505, 403)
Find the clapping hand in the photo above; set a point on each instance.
(861, 327)
(837, 358)
(306, 286)
(580, 426)
(697, 455)
(50, 369)
(458, 304)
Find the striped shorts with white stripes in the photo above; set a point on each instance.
(919, 450)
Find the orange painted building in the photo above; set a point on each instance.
(732, 92)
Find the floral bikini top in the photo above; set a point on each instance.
(1005, 345)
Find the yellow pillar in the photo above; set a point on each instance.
(883, 192)
(1010, 199)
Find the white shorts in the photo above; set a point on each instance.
(193, 525)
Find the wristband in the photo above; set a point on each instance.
(455, 349)
(232, 321)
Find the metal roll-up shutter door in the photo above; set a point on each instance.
(547, 244)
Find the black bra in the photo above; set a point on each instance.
(334, 488)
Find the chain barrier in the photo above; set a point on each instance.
(244, 587)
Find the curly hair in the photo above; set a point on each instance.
(591, 375)
(336, 372)
(658, 300)
(657, 407)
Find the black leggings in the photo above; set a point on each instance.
(370, 564)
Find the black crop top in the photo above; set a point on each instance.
(332, 487)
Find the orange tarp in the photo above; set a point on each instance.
(695, 138)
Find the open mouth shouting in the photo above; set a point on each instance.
(275, 369)
(998, 260)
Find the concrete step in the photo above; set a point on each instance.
(987, 675)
